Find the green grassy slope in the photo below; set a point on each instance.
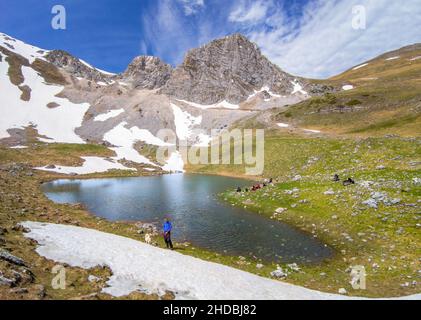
(386, 99)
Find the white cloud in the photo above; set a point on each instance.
(321, 42)
(250, 12)
(191, 6)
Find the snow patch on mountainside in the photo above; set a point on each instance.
(392, 58)
(311, 131)
(57, 124)
(263, 89)
(348, 87)
(137, 266)
(90, 165)
(109, 115)
(175, 163)
(298, 88)
(360, 66)
(124, 140)
(184, 122)
(99, 70)
(25, 50)
(221, 105)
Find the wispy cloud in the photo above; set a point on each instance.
(321, 42)
(313, 38)
(192, 6)
(250, 11)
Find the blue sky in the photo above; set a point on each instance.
(312, 38)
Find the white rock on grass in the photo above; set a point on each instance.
(279, 273)
(372, 203)
(280, 210)
(93, 278)
(342, 291)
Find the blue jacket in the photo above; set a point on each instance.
(167, 226)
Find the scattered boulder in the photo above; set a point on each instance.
(148, 238)
(342, 291)
(6, 281)
(248, 202)
(329, 192)
(372, 203)
(4, 255)
(280, 210)
(93, 278)
(279, 273)
(294, 267)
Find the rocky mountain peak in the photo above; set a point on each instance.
(147, 72)
(74, 66)
(231, 68)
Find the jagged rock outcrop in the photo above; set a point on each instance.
(76, 67)
(146, 72)
(231, 69)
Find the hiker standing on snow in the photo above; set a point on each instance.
(167, 234)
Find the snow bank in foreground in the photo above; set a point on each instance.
(138, 266)
(90, 165)
(109, 115)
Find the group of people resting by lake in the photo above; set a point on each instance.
(257, 186)
(267, 182)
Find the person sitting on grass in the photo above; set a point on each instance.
(167, 234)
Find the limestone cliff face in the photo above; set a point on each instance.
(146, 72)
(231, 68)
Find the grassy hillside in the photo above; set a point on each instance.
(386, 99)
(384, 240)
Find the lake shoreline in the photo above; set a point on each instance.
(24, 186)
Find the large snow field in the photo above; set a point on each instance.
(57, 124)
(138, 266)
(90, 165)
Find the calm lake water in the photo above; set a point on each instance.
(196, 213)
